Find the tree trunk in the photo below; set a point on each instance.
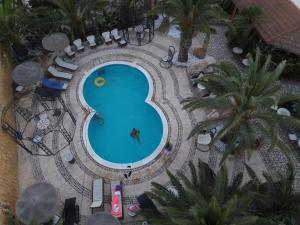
(185, 44)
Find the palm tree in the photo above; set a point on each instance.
(191, 16)
(76, 13)
(276, 199)
(243, 102)
(241, 32)
(207, 198)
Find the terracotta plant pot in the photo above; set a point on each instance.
(199, 52)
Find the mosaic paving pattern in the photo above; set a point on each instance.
(171, 87)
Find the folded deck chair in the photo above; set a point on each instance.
(59, 74)
(116, 199)
(69, 51)
(54, 84)
(97, 194)
(115, 34)
(78, 44)
(64, 64)
(91, 40)
(106, 36)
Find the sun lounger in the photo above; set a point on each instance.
(122, 42)
(78, 44)
(59, 74)
(116, 199)
(70, 66)
(97, 194)
(54, 84)
(115, 34)
(106, 36)
(71, 212)
(69, 51)
(47, 93)
(91, 40)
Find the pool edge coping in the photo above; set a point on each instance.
(91, 112)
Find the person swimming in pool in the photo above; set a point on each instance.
(135, 133)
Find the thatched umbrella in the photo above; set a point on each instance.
(38, 203)
(55, 42)
(27, 73)
(102, 218)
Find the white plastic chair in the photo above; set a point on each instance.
(78, 44)
(115, 34)
(91, 40)
(106, 36)
(69, 51)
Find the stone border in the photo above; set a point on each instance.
(149, 99)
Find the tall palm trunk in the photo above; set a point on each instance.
(186, 37)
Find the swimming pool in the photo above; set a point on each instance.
(122, 99)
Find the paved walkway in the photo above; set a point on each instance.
(171, 87)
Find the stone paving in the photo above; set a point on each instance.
(171, 87)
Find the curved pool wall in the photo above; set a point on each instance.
(92, 112)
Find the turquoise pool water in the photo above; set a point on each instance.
(121, 104)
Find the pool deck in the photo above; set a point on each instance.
(171, 87)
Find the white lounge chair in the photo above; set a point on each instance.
(91, 40)
(115, 34)
(58, 74)
(64, 64)
(106, 36)
(78, 44)
(69, 51)
(97, 194)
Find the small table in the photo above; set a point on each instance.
(237, 50)
(202, 90)
(283, 112)
(69, 158)
(43, 124)
(292, 137)
(203, 141)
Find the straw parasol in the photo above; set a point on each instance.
(38, 203)
(102, 218)
(55, 42)
(27, 73)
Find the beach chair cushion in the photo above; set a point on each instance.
(59, 74)
(97, 193)
(54, 84)
(65, 64)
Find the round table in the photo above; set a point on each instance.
(204, 139)
(237, 50)
(283, 112)
(245, 62)
(43, 124)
